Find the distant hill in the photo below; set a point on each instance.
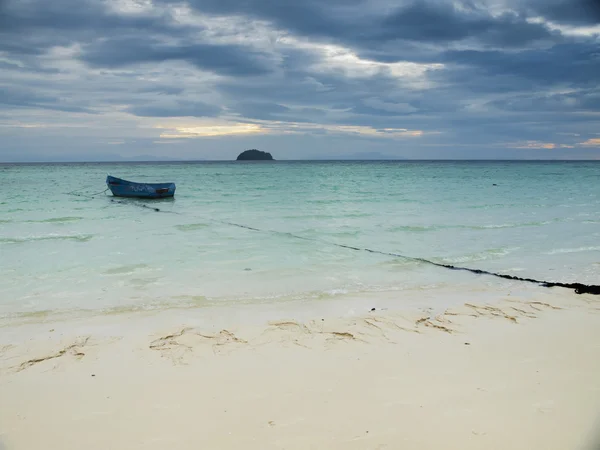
(254, 155)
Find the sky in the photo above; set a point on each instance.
(97, 80)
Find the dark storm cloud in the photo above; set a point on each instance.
(162, 90)
(176, 109)
(224, 59)
(113, 40)
(63, 14)
(26, 65)
(19, 98)
(33, 26)
(261, 110)
(308, 17)
(443, 22)
(576, 12)
(573, 63)
(308, 88)
(399, 50)
(587, 100)
(353, 23)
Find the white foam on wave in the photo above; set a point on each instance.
(573, 250)
(488, 254)
(48, 237)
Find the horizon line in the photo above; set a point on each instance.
(296, 160)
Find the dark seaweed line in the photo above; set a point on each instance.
(579, 288)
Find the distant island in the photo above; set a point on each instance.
(254, 155)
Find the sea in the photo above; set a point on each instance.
(279, 233)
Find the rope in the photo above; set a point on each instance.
(75, 192)
(579, 288)
(140, 205)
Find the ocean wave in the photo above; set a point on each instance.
(403, 263)
(335, 292)
(327, 216)
(38, 314)
(120, 270)
(44, 315)
(56, 220)
(516, 225)
(514, 269)
(183, 302)
(342, 234)
(490, 206)
(78, 238)
(427, 228)
(491, 253)
(142, 282)
(191, 226)
(417, 228)
(573, 250)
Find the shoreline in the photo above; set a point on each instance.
(301, 305)
(515, 373)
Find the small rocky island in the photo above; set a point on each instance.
(254, 155)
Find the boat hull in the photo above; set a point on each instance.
(130, 189)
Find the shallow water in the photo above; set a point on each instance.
(62, 253)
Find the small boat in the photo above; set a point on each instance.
(124, 188)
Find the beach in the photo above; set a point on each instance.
(520, 373)
(300, 305)
(299, 225)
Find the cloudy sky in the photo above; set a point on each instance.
(303, 79)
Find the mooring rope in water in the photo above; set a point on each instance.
(94, 195)
(139, 205)
(579, 288)
(75, 192)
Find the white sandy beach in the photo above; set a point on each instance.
(517, 374)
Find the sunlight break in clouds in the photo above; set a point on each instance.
(568, 30)
(281, 128)
(594, 142)
(540, 145)
(374, 132)
(337, 58)
(264, 36)
(209, 131)
(131, 6)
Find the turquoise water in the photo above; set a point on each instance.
(62, 253)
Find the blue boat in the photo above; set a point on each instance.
(124, 188)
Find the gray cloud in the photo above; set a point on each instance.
(362, 24)
(311, 17)
(163, 89)
(573, 63)
(175, 109)
(261, 110)
(501, 77)
(33, 27)
(444, 22)
(17, 98)
(224, 59)
(584, 12)
(582, 100)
